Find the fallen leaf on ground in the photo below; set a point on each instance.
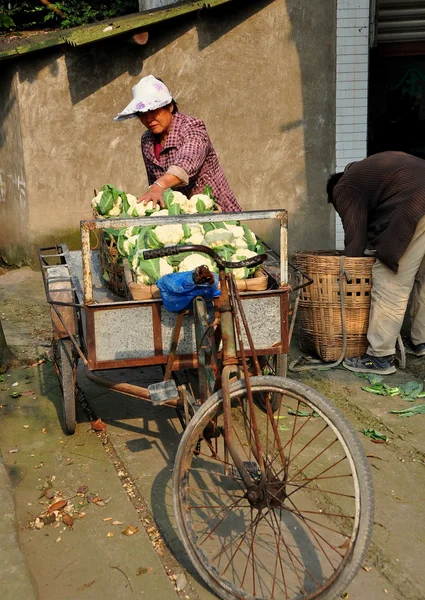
(26, 426)
(49, 519)
(143, 570)
(410, 412)
(375, 436)
(27, 393)
(67, 520)
(60, 505)
(107, 519)
(130, 530)
(15, 384)
(13, 450)
(98, 425)
(44, 430)
(82, 489)
(15, 394)
(58, 539)
(117, 522)
(110, 534)
(49, 494)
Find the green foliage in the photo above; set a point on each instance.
(33, 14)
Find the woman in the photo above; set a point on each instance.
(176, 148)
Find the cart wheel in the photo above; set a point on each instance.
(304, 531)
(66, 370)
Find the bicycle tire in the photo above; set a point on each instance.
(362, 483)
(66, 362)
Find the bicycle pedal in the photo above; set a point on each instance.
(163, 392)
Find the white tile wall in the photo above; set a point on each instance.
(352, 65)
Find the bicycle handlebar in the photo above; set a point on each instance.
(254, 261)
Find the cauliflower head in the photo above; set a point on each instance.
(219, 237)
(196, 260)
(209, 202)
(169, 234)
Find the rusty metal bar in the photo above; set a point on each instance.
(228, 433)
(129, 389)
(86, 227)
(174, 344)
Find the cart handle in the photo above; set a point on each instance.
(254, 261)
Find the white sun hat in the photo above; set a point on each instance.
(148, 94)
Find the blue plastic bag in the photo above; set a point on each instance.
(178, 290)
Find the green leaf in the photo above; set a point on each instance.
(2, 378)
(105, 276)
(200, 206)
(208, 191)
(375, 435)
(409, 391)
(152, 240)
(112, 232)
(174, 209)
(168, 198)
(125, 202)
(370, 377)
(376, 389)
(250, 240)
(5, 21)
(226, 252)
(120, 242)
(302, 413)
(151, 268)
(186, 230)
(106, 202)
(411, 411)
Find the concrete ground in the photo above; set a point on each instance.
(128, 467)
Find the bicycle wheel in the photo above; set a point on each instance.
(307, 534)
(66, 369)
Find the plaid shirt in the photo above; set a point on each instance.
(189, 152)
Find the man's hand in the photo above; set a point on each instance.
(153, 194)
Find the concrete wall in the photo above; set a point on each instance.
(14, 217)
(261, 76)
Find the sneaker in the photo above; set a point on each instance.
(416, 349)
(379, 365)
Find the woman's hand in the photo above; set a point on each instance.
(153, 194)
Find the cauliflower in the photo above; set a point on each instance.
(169, 234)
(140, 209)
(160, 213)
(208, 202)
(164, 268)
(219, 237)
(237, 230)
(196, 260)
(96, 200)
(189, 207)
(116, 209)
(241, 243)
(129, 243)
(173, 197)
(242, 272)
(197, 234)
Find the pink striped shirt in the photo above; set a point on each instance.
(189, 154)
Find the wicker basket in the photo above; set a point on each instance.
(109, 263)
(320, 312)
(137, 291)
